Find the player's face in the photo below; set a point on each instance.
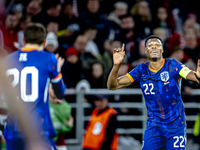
(154, 49)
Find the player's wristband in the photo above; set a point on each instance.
(184, 72)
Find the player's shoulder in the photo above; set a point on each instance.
(48, 56)
(143, 66)
(51, 55)
(173, 61)
(13, 56)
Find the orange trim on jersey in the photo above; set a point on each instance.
(130, 78)
(58, 77)
(179, 83)
(27, 49)
(163, 62)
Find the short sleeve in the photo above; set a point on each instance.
(54, 74)
(180, 69)
(133, 75)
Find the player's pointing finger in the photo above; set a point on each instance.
(123, 47)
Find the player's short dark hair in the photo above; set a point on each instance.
(35, 33)
(153, 37)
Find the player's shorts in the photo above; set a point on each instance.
(156, 138)
(19, 144)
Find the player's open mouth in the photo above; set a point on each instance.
(154, 52)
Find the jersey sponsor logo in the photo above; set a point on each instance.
(164, 76)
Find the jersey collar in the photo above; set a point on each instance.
(163, 62)
(27, 49)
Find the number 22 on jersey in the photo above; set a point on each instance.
(148, 88)
(33, 71)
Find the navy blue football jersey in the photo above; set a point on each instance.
(31, 71)
(161, 90)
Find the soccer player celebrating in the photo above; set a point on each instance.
(160, 83)
(31, 70)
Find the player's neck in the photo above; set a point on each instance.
(156, 65)
(34, 46)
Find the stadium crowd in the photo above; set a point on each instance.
(85, 32)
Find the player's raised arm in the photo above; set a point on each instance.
(195, 75)
(113, 82)
(56, 80)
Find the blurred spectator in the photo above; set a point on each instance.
(129, 37)
(164, 19)
(191, 49)
(24, 21)
(50, 12)
(18, 9)
(179, 55)
(9, 32)
(71, 69)
(53, 27)
(86, 57)
(191, 23)
(97, 79)
(33, 9)
(62, 119)
(93, 17)
(121, 9)
(91, 46)
(51, 44)
(108, 55)
(68, 17)
(142, 58)
(142, 16)
(2, 10)
(101, 129)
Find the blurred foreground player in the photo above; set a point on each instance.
(101, 129)
(31, 69)
(17, 108)
(160, 80)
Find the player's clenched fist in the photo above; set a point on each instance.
(118, 55)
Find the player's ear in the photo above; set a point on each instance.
(23, 41)
(43, 44)
(145, 50)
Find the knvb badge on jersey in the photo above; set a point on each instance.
(164, 76)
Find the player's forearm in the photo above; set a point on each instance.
(192, 77)
(59, 89)
(112, 79)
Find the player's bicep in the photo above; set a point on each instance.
(184, 72)
(123, 81)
